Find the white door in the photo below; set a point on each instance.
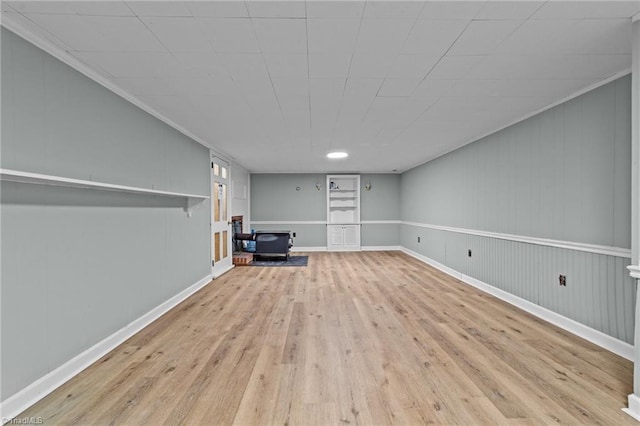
(221, 255)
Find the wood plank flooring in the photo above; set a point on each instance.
(369, 338)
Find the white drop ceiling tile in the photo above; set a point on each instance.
(281, 35)
(325, 105)
(236, 46)
(227, 28)
(292, 105)
(451, 9)
(276, 9)
(159, 8)
(431, 88)
(258, 91)
(230, 35)
(291, 86)
(482, 37)
(287, 64)
(102, 8)
(510, 66)
(127, 34)
(596, 36)
(590, 66)
(74, 31)
(508, 9)
(365, 65)
(147, 86)
(355, 106)
(363, 88)
(326, 86)
(378, 46)
(329, 65)
(199, 63)
(454, 67)
(335, 9)
(587, 9)
(218, 9)
(7, 8)
(245, 66)
(220, 86)
(179, 34)
(435, 36)
(393, 9)
(398, 87)
(535, 37)
(44, 7)
(413, 65)
(332, 35)
(385, 29)
(131, 64)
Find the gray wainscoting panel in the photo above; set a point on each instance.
(78, 264)
(599, 292)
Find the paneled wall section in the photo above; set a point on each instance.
(562, 175)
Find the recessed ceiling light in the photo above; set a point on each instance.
(337, 154)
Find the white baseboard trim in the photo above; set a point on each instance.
(20, 401)
(381, 248)
(214, 276)
(634, 406)
(297, 249)
(605, 341)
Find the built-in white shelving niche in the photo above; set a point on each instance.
(190, 200)
(343, 212)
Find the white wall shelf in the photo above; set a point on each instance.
(191, 200)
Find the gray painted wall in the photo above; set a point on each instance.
(77, 265)
(274, 198)
(563, 174)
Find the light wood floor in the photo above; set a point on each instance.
(352, 339)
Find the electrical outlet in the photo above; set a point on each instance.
(563, 280)
(418, 239)
(469, 252)
(294, 235)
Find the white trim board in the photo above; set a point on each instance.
(300, 249)
(381, 248)
(569, 245)
(37, 390)
(323, 222)
(605, 341)
(288, 222)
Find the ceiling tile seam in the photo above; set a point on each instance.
(154, 35)
(346, 80)
(306, 30)
(415, 21)
(91, 73)
(522, 22)
(444, 54)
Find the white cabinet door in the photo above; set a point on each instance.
(336, 236)
(351, 236)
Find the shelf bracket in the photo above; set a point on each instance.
(191, 203)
